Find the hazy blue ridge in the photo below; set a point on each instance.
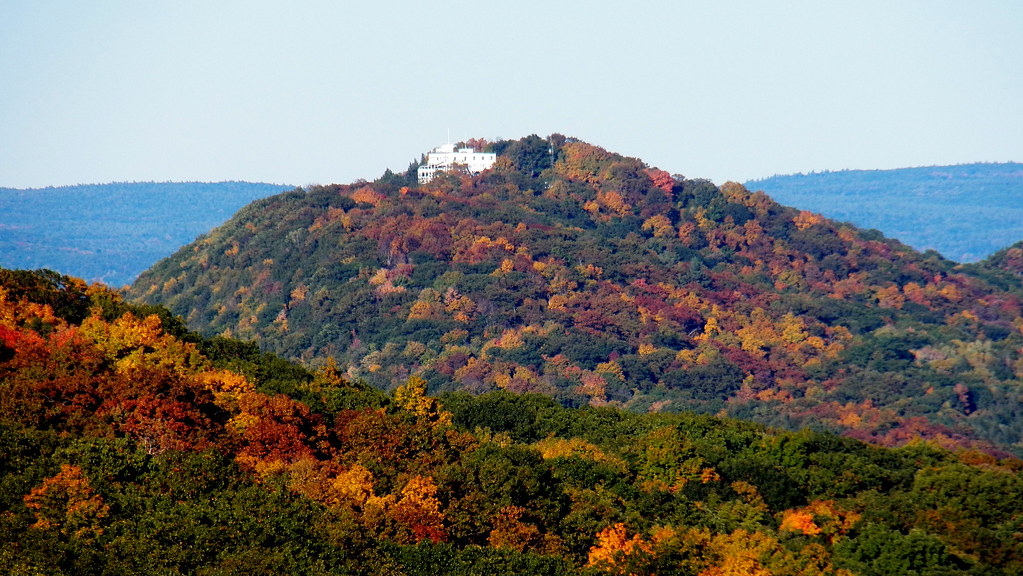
(112, 232)
(965, 212)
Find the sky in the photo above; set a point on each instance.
(316, 92)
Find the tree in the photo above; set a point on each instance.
(67, 502)
(614, 549)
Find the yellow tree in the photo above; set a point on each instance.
(740, 553)
(411, 397)
(660, 226)
(820, 517)
(67, 502)
(615, 549)
(419, 510)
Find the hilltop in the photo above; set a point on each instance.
(112, 232)
(591, 277)
(966, 212)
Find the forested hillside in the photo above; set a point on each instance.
(591, 277)
(130, 445)
(112, 232)
(1009, 260)
(966, 212)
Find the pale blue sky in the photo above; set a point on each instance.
(304, 92)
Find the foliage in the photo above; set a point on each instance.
(128, 449)
(591, 277)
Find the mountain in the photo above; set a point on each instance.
(966, 212)
(575, 272)
(112, 232)
(130, 445)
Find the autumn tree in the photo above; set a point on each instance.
(67, 503)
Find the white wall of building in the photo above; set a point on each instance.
(446, 156)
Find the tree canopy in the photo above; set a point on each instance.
(131, 445)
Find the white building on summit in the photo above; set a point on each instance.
(446, 157)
